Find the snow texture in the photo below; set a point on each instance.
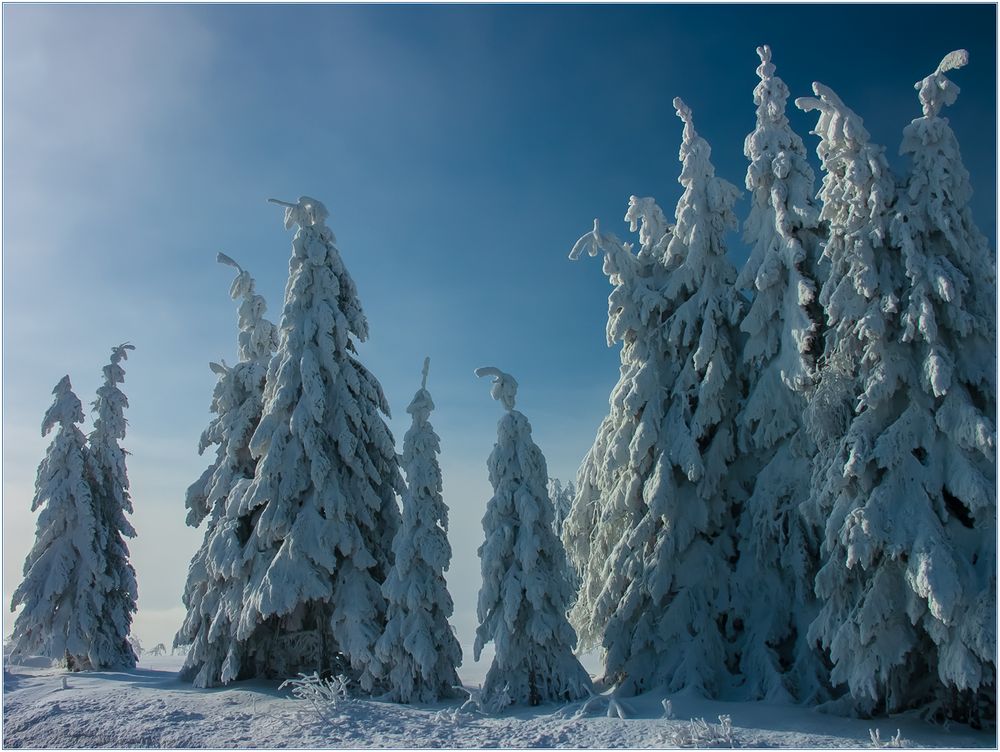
(150, 708)
(909, 577)
(62, 590)
(324, 489)
(418, 647)
(220, 569)
(525, 592)
(108, 478)
(772, 598)
(656, 567)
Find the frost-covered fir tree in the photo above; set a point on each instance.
(325, 485)
(562, 497)
(62, 592)
(860, 299)
(773, 602)
(659, 596)
(611, 478)
(525, 592)
(418, 647)
(860, 291)
(562, 501)
(110, 488)
(220, 568)
(910, 572)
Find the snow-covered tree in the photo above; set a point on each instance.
(325, 485)
(773, 602)
(910, 572)
(611, 478)
(562, 497)
(63, 573)
(419, 648)
(220, 568)
(525, 592)
(657, 592)
(562, 501)
(860, 291)
(158, 649)
(109, 484)
(860, 299)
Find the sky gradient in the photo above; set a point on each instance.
(461, 150)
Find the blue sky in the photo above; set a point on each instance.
(461, 151)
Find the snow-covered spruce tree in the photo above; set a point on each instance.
(525, 592)
(667, 629)
(862, 347)
(910, 575)
(327, 475)
(860, 292)
(220, 569)
(61, 591)
(772, 593)
(418, 648)
(562, 502)
(610, 481)
(110, 488)
(654, 592)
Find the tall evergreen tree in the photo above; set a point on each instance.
(910, 574)
(418, 647)
(662, 604)
(860, 292)
(327, 475)
(773, 601)
(110, 487)
(525, 593)
(609, 495)
(62, 590)
(220, 568)
(562, 496)
(562, 502)
(862, 347)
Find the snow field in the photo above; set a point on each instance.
(151, 707)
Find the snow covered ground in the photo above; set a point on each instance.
(151, 707)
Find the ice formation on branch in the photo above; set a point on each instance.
(109, 484)
(772, 586)
(418, 647)
(220, 568)
(655, 569)
(62, 591)
(611, 478)
(324, 489)
(910, 550)
(525, 592)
